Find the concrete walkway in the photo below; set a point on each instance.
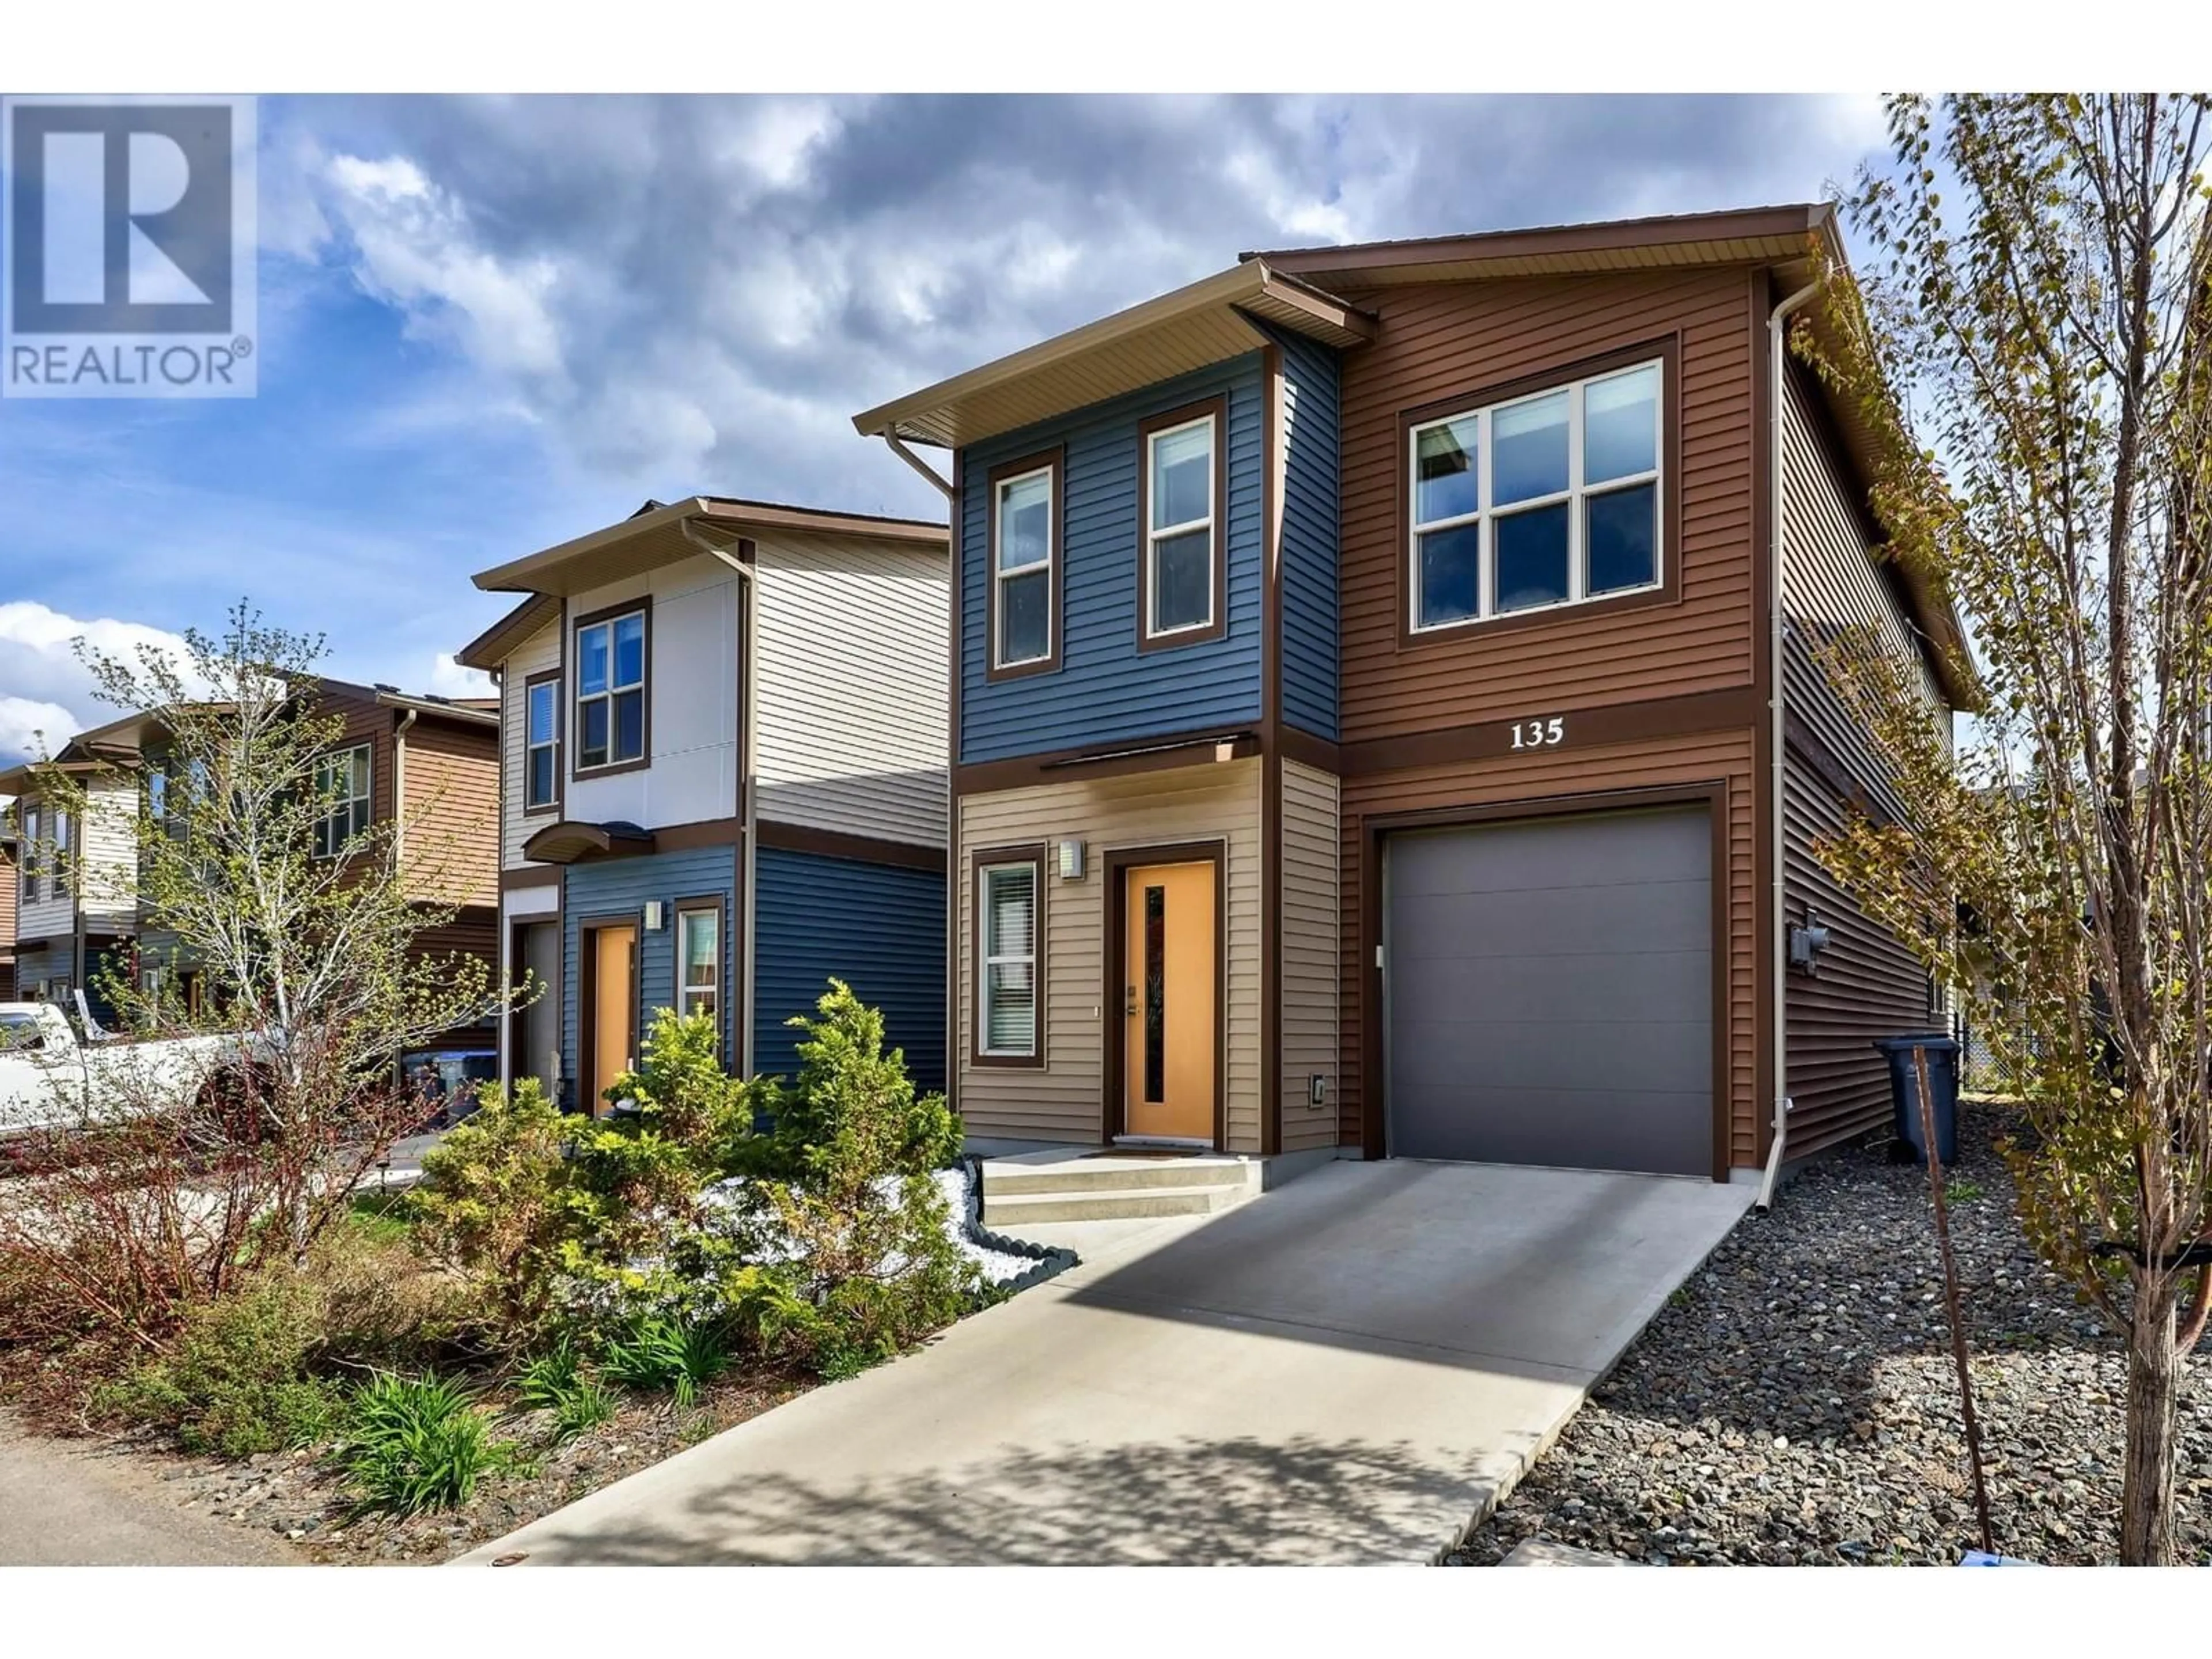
(1346, 1369)
(66, 1506)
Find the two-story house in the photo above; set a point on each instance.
(1390, 716)
(723, 783)
(8, 891)
(430, 762)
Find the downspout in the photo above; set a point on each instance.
(1778, 1017)
(742, 952)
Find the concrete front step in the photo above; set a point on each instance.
(1005, 1212)
(1081, 1175)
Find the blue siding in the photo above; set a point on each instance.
(1105, 691)
(879, 928)
(622, 886)
(1309, 535)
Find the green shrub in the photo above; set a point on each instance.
(237, 1379)
(414, 1444)
(850, 1091)
(495, 1204)
(556, 1382)
(664, 1356)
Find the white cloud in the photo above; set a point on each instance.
(45, 687)
(448, 678)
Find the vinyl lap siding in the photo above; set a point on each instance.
(1446, 340)
(621, 887)
(540, 652)
(453, 833)
(849, 670)
(879, 928)
(1310, 536)
(1065, 1101)
(1105, 691)
(1869, 985)
(1311, 921)
(1725, 755)
(108, 839)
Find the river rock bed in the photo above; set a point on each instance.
(1796, 1403)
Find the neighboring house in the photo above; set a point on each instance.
(723, 783)
(430, 761)
(1368, 733)
(8, 903)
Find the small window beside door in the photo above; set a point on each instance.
(699, 961)
(1010, 1000)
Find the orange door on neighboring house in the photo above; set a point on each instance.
(614, 1010)
(1172, 969)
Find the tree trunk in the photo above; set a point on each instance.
(2153, 1391)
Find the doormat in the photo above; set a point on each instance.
(1146, 1152)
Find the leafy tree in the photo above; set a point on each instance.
(2050, 318)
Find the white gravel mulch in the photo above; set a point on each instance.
(1796, 1403)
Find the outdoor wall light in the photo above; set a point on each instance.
(1070, 860)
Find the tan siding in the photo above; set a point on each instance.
(540, 652)
(1065, 1100)
(452, 845)
(850, 676)
(11, 891)
(1311, 955)
(1869, 986)
(1444, 340)
(1835, 593)
(1719, 757)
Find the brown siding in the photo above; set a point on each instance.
(1443, 340)
(1310, 919)
(473, 930)
(1723, 757)
(8, 891)
(452, 796)
(1869, 985)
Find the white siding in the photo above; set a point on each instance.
(851, 671)
(109, 840)
(692, 685)
(540, 652)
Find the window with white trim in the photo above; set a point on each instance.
(1549, 499)
(1007, 1010)
(342, 780)
(699, 961)
(1179, 533)
(1023, 622)
(541, 767)
(610, 691)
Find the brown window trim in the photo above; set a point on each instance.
(557, 678)
(587, 999)
(702, 904)
(1116, 863)
(1033, 855)
(1217, 409)
(642, 604)
(1668, 349)
(1054, 461)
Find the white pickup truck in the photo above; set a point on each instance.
(50, 1079)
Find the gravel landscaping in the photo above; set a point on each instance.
(1796, 1402)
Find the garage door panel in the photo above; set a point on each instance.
(1549, 988)
(1567, 1054)
(1623, 849)
(1676, 916)
(1667, 1133)
(1549, 992)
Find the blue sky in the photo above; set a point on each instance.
(488, 325)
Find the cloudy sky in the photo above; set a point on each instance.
(488, 325)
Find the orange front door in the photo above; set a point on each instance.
(614, 1004)
(1171, 1008)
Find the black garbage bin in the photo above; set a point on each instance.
(1943, 1086)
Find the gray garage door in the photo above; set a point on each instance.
(1549, 992)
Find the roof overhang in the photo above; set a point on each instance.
(683, 530)
(498, 642)
(1208, 322)
(572, 840)
(1764, 235)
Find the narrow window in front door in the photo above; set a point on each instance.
(1156, 985)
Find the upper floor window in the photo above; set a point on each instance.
(33, 857)
(57, 855)
(1548, 499)
(1180, 510)
(1024, 558)
(541, 787)
(610, 671)
(342, 780)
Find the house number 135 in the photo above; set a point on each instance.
(1538, 734)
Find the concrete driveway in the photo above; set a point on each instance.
(1346, 1369)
